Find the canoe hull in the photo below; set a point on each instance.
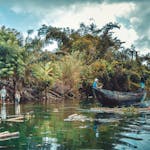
(116, 98)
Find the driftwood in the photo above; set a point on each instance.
(55, 94)
(18, 118)
(7, 134)
(120, 111)
(76, 117)
(82, 118)
(2, 133)
(15, 118)
(53, 97)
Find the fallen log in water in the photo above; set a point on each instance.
(82, 118)
(17, 119)
(14, 120)
(76, 117)
(14, 116)
(121, 111)
(7, 134)
(3, 147)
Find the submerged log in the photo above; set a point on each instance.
(6, 134)
(76, 117)
(16, 119)
(120, 111)
(14, 116)
(82, 118)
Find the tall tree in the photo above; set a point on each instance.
(45, 74)
(11, 58)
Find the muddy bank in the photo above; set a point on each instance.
(37, 93)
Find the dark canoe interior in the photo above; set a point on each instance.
(115, 98)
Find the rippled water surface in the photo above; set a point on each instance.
(71, 126)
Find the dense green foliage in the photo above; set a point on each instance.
(82, 54)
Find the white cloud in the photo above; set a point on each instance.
(51, 47)
(135, 20)
(47, 47)
(143, 51)
(73, 15)
(101, 14)
(17, 9)
(126, 35)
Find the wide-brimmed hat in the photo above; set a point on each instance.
(96, 79)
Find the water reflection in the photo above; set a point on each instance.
(134, 133)
(50, 142)
(95, 126)
(46, 143)
(3, 111)
(17, 109)
(48, 130)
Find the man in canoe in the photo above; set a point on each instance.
(95, 84)
(142, 83)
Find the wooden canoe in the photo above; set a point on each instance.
(115, 98)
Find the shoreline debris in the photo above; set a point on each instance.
(6, 135)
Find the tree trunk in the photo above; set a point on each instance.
(46, 93)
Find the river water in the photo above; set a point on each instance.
(71, 125)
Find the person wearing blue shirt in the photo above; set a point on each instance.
(95, 83)
(142, 83)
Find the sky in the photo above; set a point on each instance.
(132, 15)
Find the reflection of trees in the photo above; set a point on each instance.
(76, 138)
(17, 109)
(106, 131)
(30, 128)
(46, 143)
(48, 129)
(3, 112)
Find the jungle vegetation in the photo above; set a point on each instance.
(82, 55)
